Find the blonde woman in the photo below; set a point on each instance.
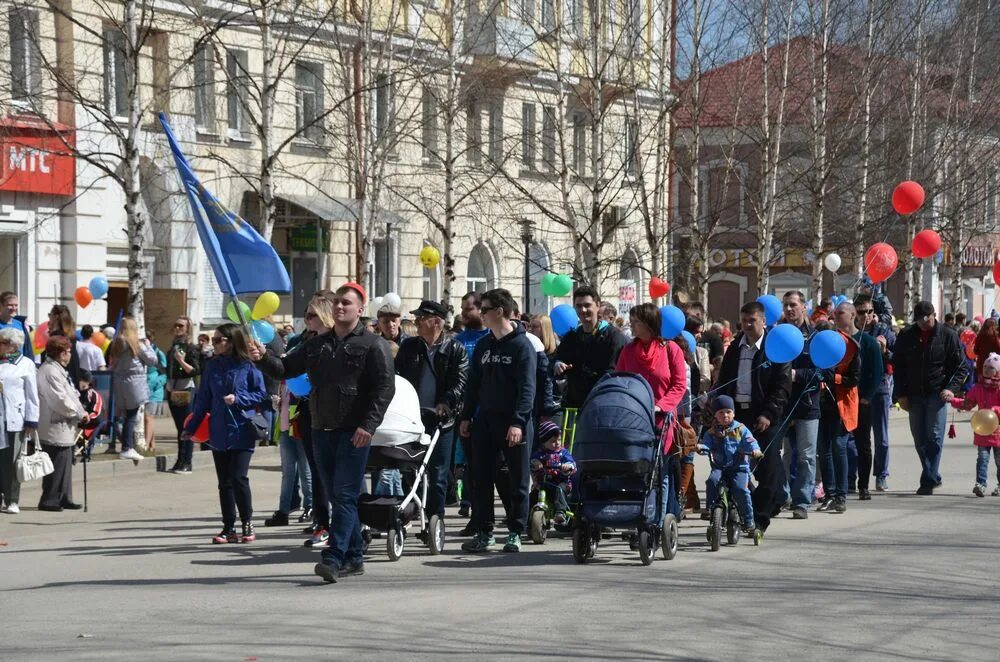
(128, 357)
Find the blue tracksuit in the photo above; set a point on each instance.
(728, 450)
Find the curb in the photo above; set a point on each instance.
(158, 464)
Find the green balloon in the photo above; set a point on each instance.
(548, 283)
(231, 312)
(562, 286)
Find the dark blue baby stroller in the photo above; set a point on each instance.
(622, 470)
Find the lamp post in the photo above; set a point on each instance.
(527, 237)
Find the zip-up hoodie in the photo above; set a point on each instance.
(502, 378)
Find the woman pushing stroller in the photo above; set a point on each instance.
(728, 443)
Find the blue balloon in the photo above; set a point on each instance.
(79, 336)
(690, 340)
(783, 343)
(671, 321)
(564, 319)
(98, 286)
(262, 331)
(299, 386)
(772, 308)
(827, 348)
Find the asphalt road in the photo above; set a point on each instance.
(899, 577)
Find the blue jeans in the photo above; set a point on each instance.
(342, 470)
(738, 480)
(388, 482)
(880, 427)
(800, 442)
(983, 463)
(294, 471)
(928, 418)
(438, 471)
(832, 452)
(128, 428)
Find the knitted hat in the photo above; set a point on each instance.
(722, 402)
(357, 288)
(549, 430)
(993, 361)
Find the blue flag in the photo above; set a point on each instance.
(241, 260)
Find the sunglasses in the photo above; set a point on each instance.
(865, 311)
(487, 309)
(180, 325)
(219, 340)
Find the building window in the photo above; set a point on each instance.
(635, 24)
(383, 268)
(631, 147)
(204, 87)
(309, 100)
(238, 92)
(549, 126)
(385, 109)
(115, 83)
(574, 16)
(473, 133)
(523, 10)
(528, 135)
(579, 143)
(548, 15)
(25, 56)
(630, 276)
(159, 46)
(481, 275)
(429, 124)
(496, 131)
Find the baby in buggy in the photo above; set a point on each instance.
(728, 443)
(552, 468)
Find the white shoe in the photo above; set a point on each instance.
(12, 509)
(130, 454)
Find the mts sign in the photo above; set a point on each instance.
(36, 159)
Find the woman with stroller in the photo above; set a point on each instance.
(661, 363)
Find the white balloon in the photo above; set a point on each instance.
(832, 262)
(392, 301)
(376, 303)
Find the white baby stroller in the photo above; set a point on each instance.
(403, 442)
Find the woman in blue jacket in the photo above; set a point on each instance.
(231, 392)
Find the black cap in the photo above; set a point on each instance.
(922, 309)
(431, 309)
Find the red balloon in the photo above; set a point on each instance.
(996, 277)
(201, 434)
(926, 243)
(880, 262)
(658, 288)
(908, 197)
(83, 296)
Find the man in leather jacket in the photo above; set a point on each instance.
(438, 368)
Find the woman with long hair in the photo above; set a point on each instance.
(128, 357)
(61, 324)
(231, 392)
(987, 342)
(183, 365)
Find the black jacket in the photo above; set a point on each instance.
(352, 379)
(770, 384)
(451, 370)
(927, 370)
(592, 356)
(502, 379)
(192, 356)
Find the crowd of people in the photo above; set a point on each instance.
(504, 390)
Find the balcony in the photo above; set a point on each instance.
(500, 40)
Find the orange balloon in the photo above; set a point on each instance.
(83, 296)
(98, 338)
(42, 335)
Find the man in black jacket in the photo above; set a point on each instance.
(928, 368)
(499, 400)
(438, 368)
(589, 351)
(353, 382)
(760, 390)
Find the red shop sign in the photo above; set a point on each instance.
(36, 157)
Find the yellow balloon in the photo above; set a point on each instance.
(104, 347)
(429, 257)
(985, 422)
(266, 304)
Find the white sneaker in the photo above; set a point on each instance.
(979, 490)
(12, 509)
(130, 454)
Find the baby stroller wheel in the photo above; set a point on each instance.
(647, 552)
(536, 526)
(669, 537)
(581, 544)
(715, 528)
(435, 534)
(394, 543)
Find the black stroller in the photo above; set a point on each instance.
(404, 441)
(619, 453)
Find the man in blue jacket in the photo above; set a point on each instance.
(876, 341)
(497, 414)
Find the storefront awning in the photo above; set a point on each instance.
(304, 208)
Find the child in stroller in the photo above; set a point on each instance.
(728, 443)
(552, 468)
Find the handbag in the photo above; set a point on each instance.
(688, 438)
(261, 428)
(34, 466)
(180, 398)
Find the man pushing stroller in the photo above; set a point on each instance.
(729, 443)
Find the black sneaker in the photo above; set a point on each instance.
(463, 510)
(352, 569)
(277, 519)
(864, 495)
(173, 469)
(800, 513)
(183, 468)
(318, 539)
(826, 505)
(306, 515)
(327, 571)
(249, 535)
(925, 490)
(839, 505)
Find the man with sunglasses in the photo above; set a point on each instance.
(873, 413)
